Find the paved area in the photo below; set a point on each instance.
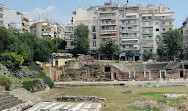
(170, 82)
(66, 106)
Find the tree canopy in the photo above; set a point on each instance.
(174, 42)
(171, 44)
(109, 48)
(81, 43)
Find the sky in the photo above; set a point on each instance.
(61, 10)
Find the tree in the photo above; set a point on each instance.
(5, 39)
(174, 42)
(129, 53)
(109, 48)
(147, 55)
(81, 43)
(160, 49)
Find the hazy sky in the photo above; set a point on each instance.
(61, 10)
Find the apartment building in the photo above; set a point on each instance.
(155, 21)
(184, 30)
(87, 17)
(14, 19)
(46, 29)
(129, 32)
(134, 28)
(1, 14)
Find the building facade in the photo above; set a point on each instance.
(134, 28)
(1, 14)
(46, 29)
(14, 19)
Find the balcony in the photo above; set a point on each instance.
(147, 46)
(131, 48)
(128, 18)
(129, 36)
(108, 12)
(129, 31)
(147, 39)
(107, 24)
(109, 36)
(107, 17)
(69, 47)
(69, 39)
(109, 30)
(129, 24)
(129, 42)
(147, 32)
(69, 32)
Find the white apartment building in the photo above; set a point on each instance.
(1, 14)
(155, 21)
(14, 19)
(135, 28)
(45, 29)
(89, 18)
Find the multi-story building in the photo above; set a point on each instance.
(184, 30)
(155, 21)
(134, 28)
(46, 29)
(129, 32)
(14, 19)
(89, 18)
(1, 14)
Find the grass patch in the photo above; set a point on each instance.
(144, 108)
(117, 101)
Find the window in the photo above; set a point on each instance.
(157, 30)
(42, 29)
(94, 44)
(94, 36)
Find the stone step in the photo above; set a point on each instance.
(10, 104)
(6, 97)
(8, 101)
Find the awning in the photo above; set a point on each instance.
(146, 15)
(128, 39)
(113, 19)
(135, 45)
(108, 33)
(168, 14)
(130, 14)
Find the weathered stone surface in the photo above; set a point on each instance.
(175, 95)
(127, 92)
(148, 103)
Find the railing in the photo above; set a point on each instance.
(107, 17)
(129, 36)
(108, 11)
(110, 23)
(69, 47)
(124, 30)
(108, 30)
(129, 42)
(128, 17)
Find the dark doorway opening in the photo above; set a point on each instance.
(107, 69)
(181, 74)
(137, 58)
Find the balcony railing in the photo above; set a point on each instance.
(69, 39)
(69, 47)
(108, 30)
(108, 11)
(109, 23)
(107, 17)
(129, 42)
(129, 30)
(129, 36)
(110, 36)
(128, 18)
(133, 48)
(129, 24)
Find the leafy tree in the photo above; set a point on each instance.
(109, 48)
(12, 60)
(81, 43)
(174, 42)
(161, 49)
(5, 39)
(59, 43)
(147, 55)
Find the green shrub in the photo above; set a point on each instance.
(48, 81)
(12, 60)
(28, 85)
